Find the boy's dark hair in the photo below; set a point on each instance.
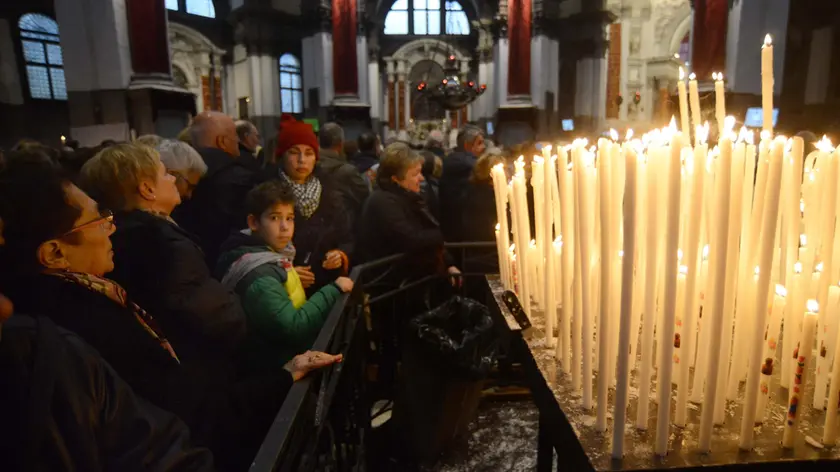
(267, 194)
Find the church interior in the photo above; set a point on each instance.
(91, 71)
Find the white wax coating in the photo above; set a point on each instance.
(769, 221)
(829, 194)
(830, 430)
(767, 368)
(694, 103)
(548, 238)
(604, 372)
(720, 105)
(568, 258)
(718, 251)
(826, 327)
(793, 322)
(585, 254)
(683, 98)
(796, 399)
(767, 87)
(623, 366)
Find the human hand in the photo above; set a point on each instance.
(307, 278)
(455, 276)
(344, 284)
(332, 260)
(6, 308)
(304, 363)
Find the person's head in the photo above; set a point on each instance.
(107, 143)
(184, 163)
(128, 177)
(248, 134)
(185, 135)
(213, 129)
(49, 224)
(471, 140)
(481, 171)
(271, 214)
(402, 166)
(351, 148)
(368, 143)
(434, 140)
(331, 136)
(297, 147)
(151, 140)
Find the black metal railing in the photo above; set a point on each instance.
(324, 422)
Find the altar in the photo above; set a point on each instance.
(569, 430)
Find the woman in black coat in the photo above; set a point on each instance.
(396, 219)
(56, 253)
(478, 217)
(156, 260)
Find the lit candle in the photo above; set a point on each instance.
(585, 253)
(500, 188)
(694, 101)
(767, 84)
(792, 221)
(826, 324)
(548, 237)
(701, 351)
(604, 184)
(567, 223)
(830, 431)
(718, 252)
(522, 234)
(796, 399)
(63, 140)
(769, 356)
(623, 365)
(686, 129)
(793, 321)
(720, 101)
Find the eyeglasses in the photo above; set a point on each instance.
(105, 222)
(190, 185)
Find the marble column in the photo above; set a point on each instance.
(391, 108)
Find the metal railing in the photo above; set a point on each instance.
(324, 421)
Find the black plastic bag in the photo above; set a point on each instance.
(457, 334)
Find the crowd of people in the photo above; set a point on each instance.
(161, 296)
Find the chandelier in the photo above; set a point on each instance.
(451, 93)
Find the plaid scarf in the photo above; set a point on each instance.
(117, 294)
(307, 195)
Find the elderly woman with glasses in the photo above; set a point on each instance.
(156, 260)
(56, 253)
(184, 163)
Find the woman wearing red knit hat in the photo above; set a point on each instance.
(323, 235)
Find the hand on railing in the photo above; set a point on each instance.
(304, 363)
(344, 284)
(307, 278)
(455, 277)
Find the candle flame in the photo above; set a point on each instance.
(679, 255)
(728, 124)
(613, 134)
(812, 176)
(819, 267)
(683, 270)
(538, 160)
(768, 41)
(757, 270)
(512, 247)
(702, 133)
(824, 145)
(797, 268)
(620, 253)
(813, 307)
(533, 244)
(629, 135)
(558, 241)
(801, 206)
(672, 126)
(706, 251)
(692, 76)
(682, 73)
(498, 227)
(744, 135)
(547, 148)
(781, 290)
(764, 135)
(677, 56)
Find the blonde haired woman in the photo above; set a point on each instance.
(157, 261)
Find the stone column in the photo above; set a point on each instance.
(316, 58)
(374, 87)
(545, 76)
(391, 97)
(401, 99)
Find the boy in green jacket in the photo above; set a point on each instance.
(257, 264)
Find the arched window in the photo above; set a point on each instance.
(42, 55)
(291, 89)
(426, 17)
(193, 7)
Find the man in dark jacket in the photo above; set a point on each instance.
(218, 204)
(369, 149)
(349, 183)
(249, 143)
(64, 408)
(457, 168)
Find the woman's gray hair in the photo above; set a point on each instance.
(395, 162)
(180, 156)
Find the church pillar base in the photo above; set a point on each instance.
(159, 111)
(352, 115)
(516, 123)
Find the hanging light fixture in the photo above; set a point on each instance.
(451, 92)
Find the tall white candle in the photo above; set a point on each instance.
(768, 231)
(831, 420)
(585, 254)
(685, 127)
(704, 330)
(667, 340)
(769, 356)
(793, 228)
(567, 223)
(796, 399)
(548, 237)
(718, 252)
(720, 101)
(829, 194)
(623, 365)
(767, 84)
(793, 323)
(827, 323)
(694, 101)
(604, 184)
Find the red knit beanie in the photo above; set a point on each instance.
(292, 132)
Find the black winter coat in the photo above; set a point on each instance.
(364, 161)
(64, 408)
(217, 206)
(164, 270)
(396, 221)
(347, 180)
(457, 168)
(225, 412)
(478, 215)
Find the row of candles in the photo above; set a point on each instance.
(655, 245)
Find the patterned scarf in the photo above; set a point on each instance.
(307, 195)
(117, 294)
